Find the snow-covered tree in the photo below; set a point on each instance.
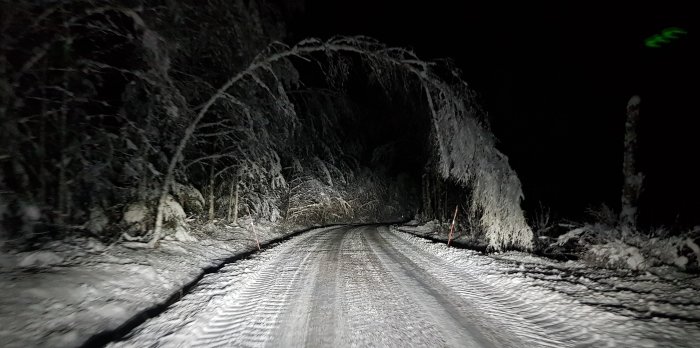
(83, 135)
(210, 100)
(466, 150)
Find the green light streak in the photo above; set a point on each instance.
(667, 36)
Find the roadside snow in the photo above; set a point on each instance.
(613, 307)
(38, 259)
(584, 274)
(62, 296)
(571, 235)
(359, 286)
(135, 213)
(615, 254)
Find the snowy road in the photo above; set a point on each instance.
(368, 286)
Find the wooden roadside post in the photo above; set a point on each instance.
(452, 227)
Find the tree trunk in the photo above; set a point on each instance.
(444, 201)
(235, 204)
(436, 199)
(427, 191)
(632, 179)
(288, 200)
(43, 195)
(211, 193)
(157, 230)
(63, 115)
(232, 195)
(62, 189)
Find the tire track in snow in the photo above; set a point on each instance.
(187, 319)
(558, 316)
(315, 301)
(498, 312)
(250, 318)
(367, 286)
(378, 310)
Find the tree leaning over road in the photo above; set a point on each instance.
(466, 150)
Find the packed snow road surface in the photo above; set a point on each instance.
(369, 286)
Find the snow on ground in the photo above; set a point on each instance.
(350, 286)
(657, 307)
(371, 286)
(68, 292)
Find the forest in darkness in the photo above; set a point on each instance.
(117, 117)
(128, 120)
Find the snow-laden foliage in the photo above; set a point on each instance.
(467, 153)
(608, 245)
(82, 130)
(191, 199)
(224, 108)
(616, 255)
(465, 148)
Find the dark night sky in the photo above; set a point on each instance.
(555, 80)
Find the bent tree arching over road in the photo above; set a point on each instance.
(256, 130)
(371, 286)
(146, 145)
(465, 150)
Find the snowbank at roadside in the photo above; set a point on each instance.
(69, 291)
(598, 245)
(619, 306)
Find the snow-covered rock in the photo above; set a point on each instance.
(681, 262)
(139, 217)
(30, 215)
(98, 220)
(689, 254)
(579, 240)
(572, 235)
(135, 213)
(182, 235)
(616, 254)
(94, 245)
(606, 246)
(30, 212)
(38, 259)
(190, 198)
(136, 216)
(172, 211)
